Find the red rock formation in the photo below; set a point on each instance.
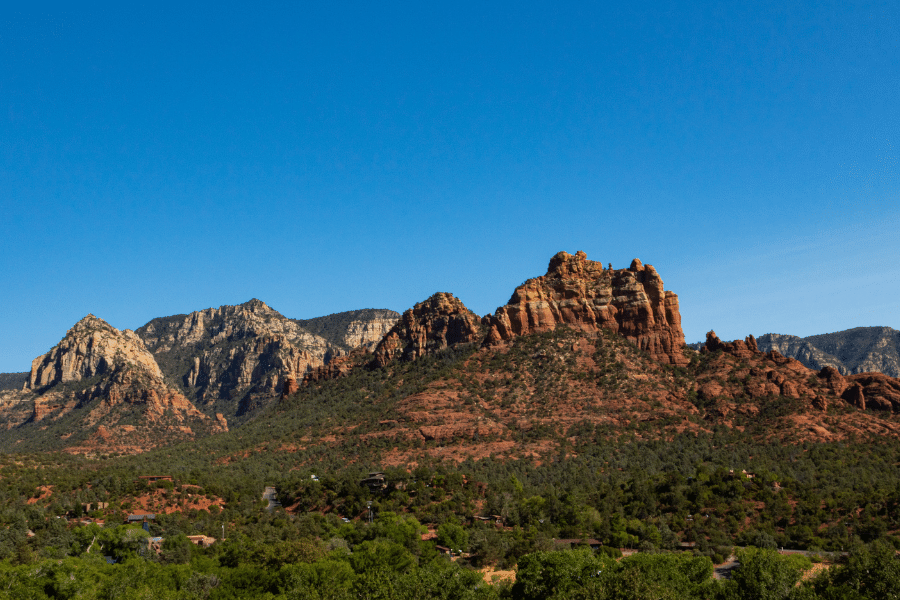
(738, 348)
(289, 386)
(582, 294)
(855, 396)
(880, 391)
(791, 379)
(337, 366)
(833, 379)
(439, 322)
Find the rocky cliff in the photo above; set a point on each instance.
(237, 359)
(91, 348)
(858, 350)
(439, 322)
(582, 294)
(352, 329)
(100, 377)
(233, 358)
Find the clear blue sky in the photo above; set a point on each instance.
(323, 157)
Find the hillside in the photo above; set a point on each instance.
(99, 387)
(176, 378)
(574, 412)
(579, 350)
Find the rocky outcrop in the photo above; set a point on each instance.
(221, 356)
(740, 348)
(439, 322)
(584, 295)
(881, 392)
(289, 387)
(858, 350)
(91, 348)
(774, 374)
(874, 391)
(338, 367)
(98, 376)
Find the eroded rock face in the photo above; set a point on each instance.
(439, 322)
(237, 359)
(289, 387)
(92, 347)
(582, 294)
(94, 370)
(338, 367)
(369, 332)
(879, 391)
(235, 351)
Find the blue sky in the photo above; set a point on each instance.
(160, 159)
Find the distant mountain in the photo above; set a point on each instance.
(234, 359)
(857, 350)
(353, 328)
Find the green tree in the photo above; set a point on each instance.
(176, 549)
(869, 573)
(765, 574)
(453, 536)
(544, 575)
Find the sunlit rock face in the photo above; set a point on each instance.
(582, 294)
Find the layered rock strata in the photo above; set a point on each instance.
(353, 329)
(223, 353)
(238, 358)
(582, 294)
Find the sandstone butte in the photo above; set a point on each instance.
(582, 294)
(575, 292)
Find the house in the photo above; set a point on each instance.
(375, 482)
(145, 519)
(202, 540)
(139, 518)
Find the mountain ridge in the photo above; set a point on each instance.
(582, 343)
(851, 351)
